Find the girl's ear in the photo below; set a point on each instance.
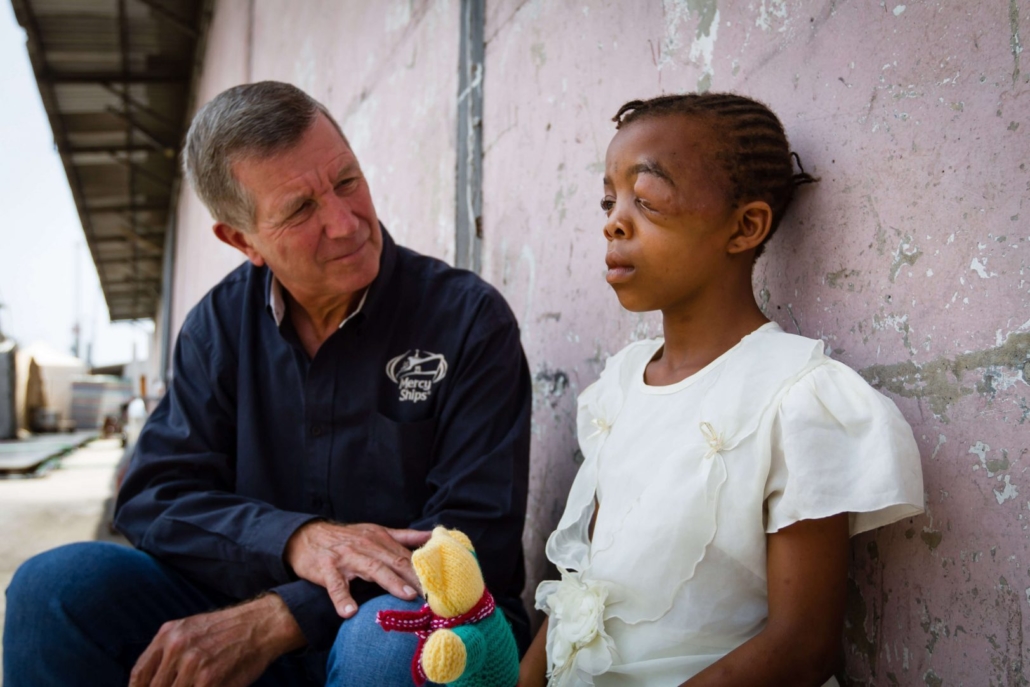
(754, 220)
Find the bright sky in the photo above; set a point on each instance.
(47, 277)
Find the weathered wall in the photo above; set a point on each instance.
(909, 258)
(201, 260)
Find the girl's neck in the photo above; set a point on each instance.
(694, 337)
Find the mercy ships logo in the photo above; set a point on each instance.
(415, 373)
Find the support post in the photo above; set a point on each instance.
(469, 216)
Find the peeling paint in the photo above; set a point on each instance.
(843, 279)
(1007, 493)
(981, 268)
(702, 45)
(1016, 46)
(768, 11)
(943, 381)
(931, 538)
(905, 254)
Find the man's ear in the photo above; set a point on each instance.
(238, 239)
(754, 220)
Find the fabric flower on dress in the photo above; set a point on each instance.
(603, 427)
(576, 640)
(716, 442)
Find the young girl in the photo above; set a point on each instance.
(705, 538)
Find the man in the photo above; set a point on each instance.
(333, 378)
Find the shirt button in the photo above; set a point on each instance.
(316, 430)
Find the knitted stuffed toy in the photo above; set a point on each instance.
(462, 639)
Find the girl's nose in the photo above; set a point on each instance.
(616, 226)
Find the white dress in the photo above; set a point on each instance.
(690, 478)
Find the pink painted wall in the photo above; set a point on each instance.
(909, 259)
(201, 260)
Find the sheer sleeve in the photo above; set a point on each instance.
(840, 446)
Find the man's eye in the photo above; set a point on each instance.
(302, 209)
(345, 184)
(607, 204)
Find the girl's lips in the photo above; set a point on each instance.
(619, 270)
(619, 273)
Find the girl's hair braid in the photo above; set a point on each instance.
(754, 149)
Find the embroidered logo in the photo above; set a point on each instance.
(415, 373)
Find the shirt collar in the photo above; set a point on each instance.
(276, 302)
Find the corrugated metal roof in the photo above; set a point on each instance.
(116, 78)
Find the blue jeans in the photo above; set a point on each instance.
(82, 614)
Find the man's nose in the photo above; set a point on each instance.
(338, 218)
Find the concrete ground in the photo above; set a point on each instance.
(67, 504)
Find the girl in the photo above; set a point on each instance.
(705, 538)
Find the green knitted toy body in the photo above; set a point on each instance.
(492, 657)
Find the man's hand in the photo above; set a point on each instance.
(231, 647)
(332, 555)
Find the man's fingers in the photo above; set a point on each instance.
(409, 538)
(166, 673)
(143, 672)
(397, 559)
(390, 580)
(339, 591)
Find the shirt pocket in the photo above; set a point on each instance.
(401, 455)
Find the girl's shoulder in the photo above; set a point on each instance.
(822, 384)
(833, 388)
(635, 352)
(619, 368)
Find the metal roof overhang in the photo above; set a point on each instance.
(117, 79)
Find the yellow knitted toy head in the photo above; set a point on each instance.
(449, 573)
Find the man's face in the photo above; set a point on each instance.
(314, 222)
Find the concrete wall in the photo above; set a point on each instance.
(909, 259)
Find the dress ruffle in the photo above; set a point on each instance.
(836, 448)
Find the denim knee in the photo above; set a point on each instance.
(366, 654)
(65, 575)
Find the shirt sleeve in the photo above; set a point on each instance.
(177, 501)
(840, 446)
(479, 475)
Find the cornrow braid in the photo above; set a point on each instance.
(754, 149)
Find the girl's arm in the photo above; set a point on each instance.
(801, 643)
(533, 669)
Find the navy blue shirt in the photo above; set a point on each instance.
(414, 413)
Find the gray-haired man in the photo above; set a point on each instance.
(333, 378)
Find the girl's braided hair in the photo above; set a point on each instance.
(754, 149)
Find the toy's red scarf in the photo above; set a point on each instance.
(424, 622)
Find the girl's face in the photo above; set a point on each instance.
(669, 220)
